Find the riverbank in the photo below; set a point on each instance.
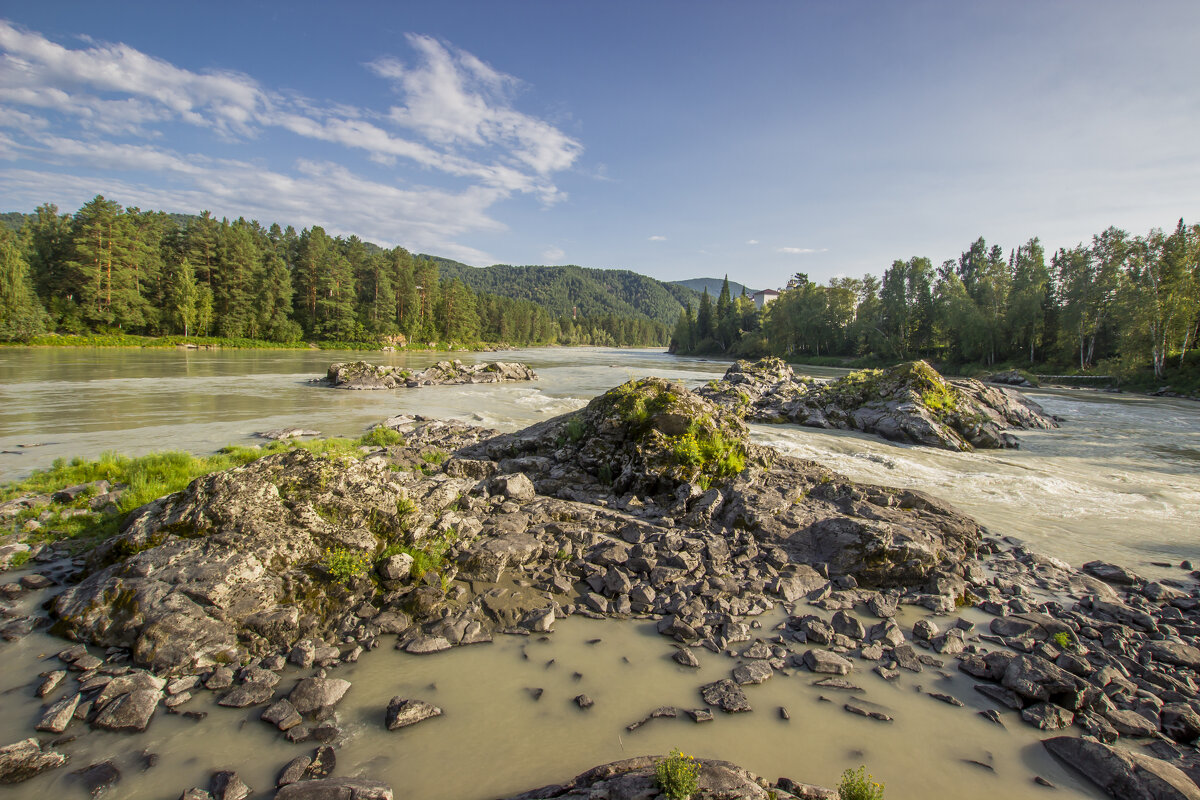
(225, 343)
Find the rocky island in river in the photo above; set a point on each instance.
(649, 503)
(364, 375)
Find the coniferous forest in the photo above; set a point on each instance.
(109, 270)
(1120, 303)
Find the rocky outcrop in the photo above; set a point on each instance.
(364, 375)
(647, 501)
(909, 403)
(635, 777)
(1122, 773)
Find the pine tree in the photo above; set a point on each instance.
(21, 314)
(704, 317)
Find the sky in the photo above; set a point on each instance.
(676, 139)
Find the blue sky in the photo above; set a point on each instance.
(677, 139)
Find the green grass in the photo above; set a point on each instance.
(382, 437)
(429, 555)
(149, 477)
(19, 559)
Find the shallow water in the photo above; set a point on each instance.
(1119, 481)
(494, 738)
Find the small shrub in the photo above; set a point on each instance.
(856, 785)
(677, 775)
(605, 474)
(1062, 640)
(19, 559)
(381, 437)
(345, 564)
(436, 457)
(687, 450)
(575, 429)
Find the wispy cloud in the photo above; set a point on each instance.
(752, 241)
(801, 251)
(99, 106)
(553, 255)
(657, 238)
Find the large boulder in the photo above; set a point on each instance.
(1122, 773)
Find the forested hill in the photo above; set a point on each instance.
(713, 285)
(570, 290)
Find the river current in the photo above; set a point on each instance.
(1120, 481)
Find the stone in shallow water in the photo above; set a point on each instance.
(248, 694)
(753, 673)
(336, 789)
(725, 695)
(1123, 773)
(22, 760)
(685, 657)
(313, 694)
(59, 715)
(403, 712)
(826, 662)
(129, 712)
(98, 778)
(856, 708)
(282, 714)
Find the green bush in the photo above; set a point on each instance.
(677, 775)
(1062, 640)
(381, 437)
(19, 559)
(856, 785)
(345, 564)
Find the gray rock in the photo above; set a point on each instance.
(313, 694)
(59, 715)
(847, 625)
(686, 657)
(98, 778)
(403, 712)
(282, 714)
(129, 712)
(227, 785)
(1122, 773)
(336, 789)
(424, 645)
(826, 662)
(247, 694)
(1047, 716)
(22, 760)
(725, 695)
(753, 673)
(396, 568)
(1174, 653)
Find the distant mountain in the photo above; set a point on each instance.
(561, 289)
(698, 285)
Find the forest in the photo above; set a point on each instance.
(112, 270)
(1119, 303)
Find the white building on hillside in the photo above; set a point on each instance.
(763, 298)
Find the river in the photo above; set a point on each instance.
(1120, 480)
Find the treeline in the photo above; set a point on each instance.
(111, 270)
(1121, 299)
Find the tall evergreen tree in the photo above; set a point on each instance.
(21, 313)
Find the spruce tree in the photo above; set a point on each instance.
(21, 314)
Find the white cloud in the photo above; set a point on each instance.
(553, 255)
(455, 117)
(801, 251)
(752, 241)
(454, 98)
(657, 238)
